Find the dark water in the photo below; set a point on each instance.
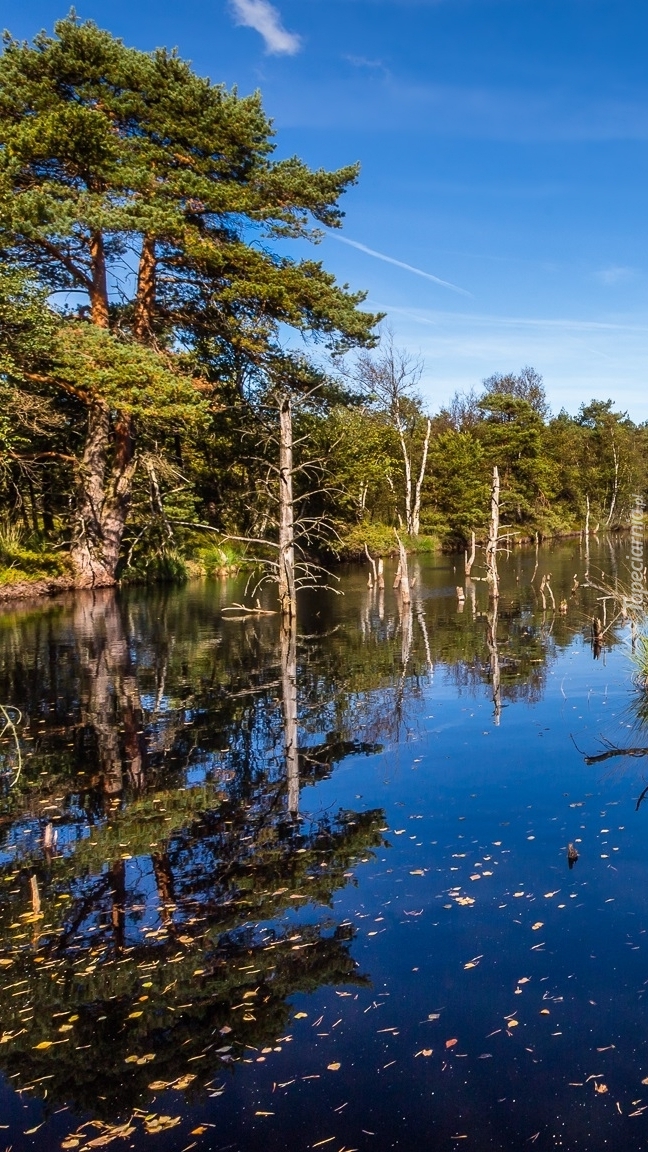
(257, 896)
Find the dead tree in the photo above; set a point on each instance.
(390, 381)
(493, 534)
(469, 560)
(286, 558)
(404, 572)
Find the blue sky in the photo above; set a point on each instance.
(504, 151)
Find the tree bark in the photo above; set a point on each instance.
(493, 532)
(404, 571)
(98, 289)
(469, 560)
(104, 497)
(286, 572)
(145, 297)
(416, 511)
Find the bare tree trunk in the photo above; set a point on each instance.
(407, 464)
(469, 560)
(289, 695)
(373, 579)
(615, 488)
(493, 533)
(404, 573)
(587, 532)
(286, 574)
(381, 574)
(416, 512)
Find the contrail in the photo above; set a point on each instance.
(398, 263)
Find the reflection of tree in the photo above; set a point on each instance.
(288, 628)
(225, 882)
(491, 640)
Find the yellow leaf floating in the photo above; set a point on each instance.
(538, 924)
(546, 1012)
(600, 1088)
(300, 1015)
(335, 1067)
(134, 1015)
(512, 1024)
(43, 1045)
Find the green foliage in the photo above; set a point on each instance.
(380, 539)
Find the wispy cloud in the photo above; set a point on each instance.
(615, 275)
(399, 264)
(266, 20)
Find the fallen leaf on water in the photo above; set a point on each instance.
(335, 1067)
(512, 1024)
(43, 1045)
(600, 1088)
(546, 1012)
(538, 924)
(451, 1043)
(198, 1131)
(300, 1015)
(417, 872)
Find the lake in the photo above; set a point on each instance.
(262, 892)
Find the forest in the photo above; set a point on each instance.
(174, 382)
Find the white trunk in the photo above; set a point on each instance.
(493, 533)
(416, 512)
(286, 572)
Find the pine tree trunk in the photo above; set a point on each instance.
(103, 499)
(99, 284)
(145, 298)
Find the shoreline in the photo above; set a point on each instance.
(51, 587)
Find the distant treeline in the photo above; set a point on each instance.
(152, 326)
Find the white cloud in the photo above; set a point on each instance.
(615, 275)
(264, 18)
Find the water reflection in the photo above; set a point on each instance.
(171, 877)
